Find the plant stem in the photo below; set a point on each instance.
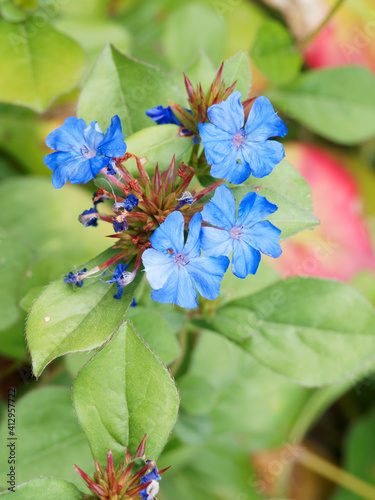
(325, 21)
(336, 475)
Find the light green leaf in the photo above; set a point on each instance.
(237, 69)
(127, 88)
(14, 261)
(46, 219)
(290, 192)
(275, 54)
(28, 55)
(123, 393)
(300, 327)
(337, 103)
(200, 70)
(49, 439)
(158, 144)
(62, 320)
(191, 27)
(197, 394)
(155, 331)
(45, 488)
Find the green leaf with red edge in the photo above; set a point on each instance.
(123, 393)
(62, 320)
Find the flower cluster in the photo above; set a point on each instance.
(135, 478)
(150, 216)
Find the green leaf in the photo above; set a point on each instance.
(156, 332)
(49, 439)
(192, 27)
(252, 402)
(45, 488)
(300, 327)
(123, 393)
(290, 192)
(237, 69)
(31, 74)
(275, 54)
(197, 394)
(15, 259)
(158, 144)
(127, 88)
(49, 224)
(337, 103)
(200, 70)
(62, 320)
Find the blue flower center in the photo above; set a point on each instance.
(87, 153)
(180, 259)
(239, 139)
(236, 232)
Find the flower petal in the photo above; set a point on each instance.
(207, 273)
(64, 166)
(93, 136)
(178, 289)
(233, 168)
(68, 137)
(229, 115)
(113, 144)
(170, 234)
(192, 247)
(264, 237)
(245, 259)
(263, 122)
(216, 242)
(221, 210)
(254, 208)
(216, 142)
(158, 267)
(262, 157)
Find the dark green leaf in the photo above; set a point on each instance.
(45, 488)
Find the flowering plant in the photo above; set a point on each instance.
(167, 202)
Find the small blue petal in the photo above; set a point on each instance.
(192, 247)
(245, 259)
(163, 116)
(69, 136)
(221, 210)
(113, 144)
(130, 202)
(178, 289)
(264, 236)
(158, 266)
(229, 115)
(207, 273)
(263, 157)
(254, 208)
(216, 242)
(263, 122)
(170, 234)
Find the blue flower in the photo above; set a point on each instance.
(163, 116)
(174, 267)
(122, 278)
(247, 235)
(75, 278)
(235, 150)
(89, 217)
(152, 489)
(82, 151)
(185, 199)
(130, 202)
